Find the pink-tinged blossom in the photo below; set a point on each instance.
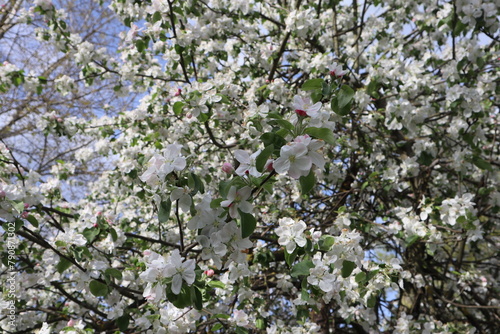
(247, 163)
(336, 70)
(293, 160)
(304, 107)
(237, 199)
(180, 271)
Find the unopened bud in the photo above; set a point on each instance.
(227, 168)
(209, 272)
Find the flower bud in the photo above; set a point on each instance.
(227, 168)
(269, 165)
(209, 272)
(25, 214)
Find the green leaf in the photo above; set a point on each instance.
(326, 242)
(164, 211)
(481, 163)
(345, 96)
(411, 240)
(307, 183)
(216, 327)
(347, 268)
(123, 322)
(114, 273)
(372, 300)
(182, 300)
(321, 133)
(140, 45)
(221, 316)
(260, 324)
(33, 221)
(313, 84)
(240, 330)
(196, 298)
(290, 257)
(272, 138)
(18, 206)
(98, 289)
(91, 233)
(156, 17)
(360, 277)
(302, 268)
(216, 203)
(261, 160)
(248, 224)
(113, 233)
(178, 107)
(425, 159)
(63, 265)
(282, 123)
(216, 284)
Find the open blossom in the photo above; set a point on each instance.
(304, 107)
(180, 271)
(44, 4)
(247, 163)
(293, 160)
(291, 234)
(313, 145)
(336, 70)
(162, 165)
(237, 199)
(240, 318)
(320, 275)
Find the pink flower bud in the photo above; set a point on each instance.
(209, 272)
(60, 120)
(2, 194)
(94, 225)
(146, 252)
(26, 205)
(302, 113)
(178, 93)
(189, 115)
(227, 168)
(269, 165)
(25, 214)
(71, 322)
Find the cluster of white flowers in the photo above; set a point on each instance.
(160, 165)
(172, 266)
(459, 206)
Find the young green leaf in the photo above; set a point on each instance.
(248, 224)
